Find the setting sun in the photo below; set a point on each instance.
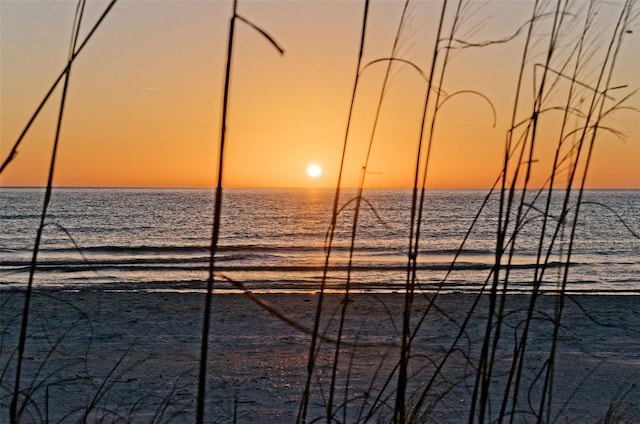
(314, 171)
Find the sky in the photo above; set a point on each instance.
(145, 96)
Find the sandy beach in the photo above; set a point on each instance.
(133, 357)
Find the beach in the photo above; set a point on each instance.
(378, 253)
(135, 355)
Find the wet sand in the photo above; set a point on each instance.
(134, 356)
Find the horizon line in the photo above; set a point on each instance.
(163, 187)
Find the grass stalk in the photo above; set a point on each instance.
(217, 212)
(13, 409)
(558, 17)
(596, 109)
(400, 403)
(417, 208)
(204, 350)
(14, 150)
(304, 404)
(518, 360)
(505, 201)
(356, 213)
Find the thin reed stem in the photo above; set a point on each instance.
(14, 150)
(356, 213)
(304, 404)
(13, 409)
(559, 15)
(202, 376)
(417, 209)
(217, 212)
(503, 219)
(598, 102)
(518, 360)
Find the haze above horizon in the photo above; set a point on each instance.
(144, 102)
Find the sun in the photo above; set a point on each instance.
(314, 171)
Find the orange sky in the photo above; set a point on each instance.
(144, 102)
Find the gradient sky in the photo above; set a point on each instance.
(144, 101)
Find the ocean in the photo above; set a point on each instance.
(275, 240)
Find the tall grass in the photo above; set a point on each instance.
(302, 414)
(14, 413)
(218, 205)
(74, 51)
(411, 382)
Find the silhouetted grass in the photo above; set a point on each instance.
(218, 205)
(302, 413)
(14, 413)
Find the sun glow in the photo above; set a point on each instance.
(314, 171)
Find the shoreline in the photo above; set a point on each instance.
(162, 287)
(145, 347)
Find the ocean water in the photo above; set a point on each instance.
(275, 240)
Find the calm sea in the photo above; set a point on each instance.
(274, 240)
